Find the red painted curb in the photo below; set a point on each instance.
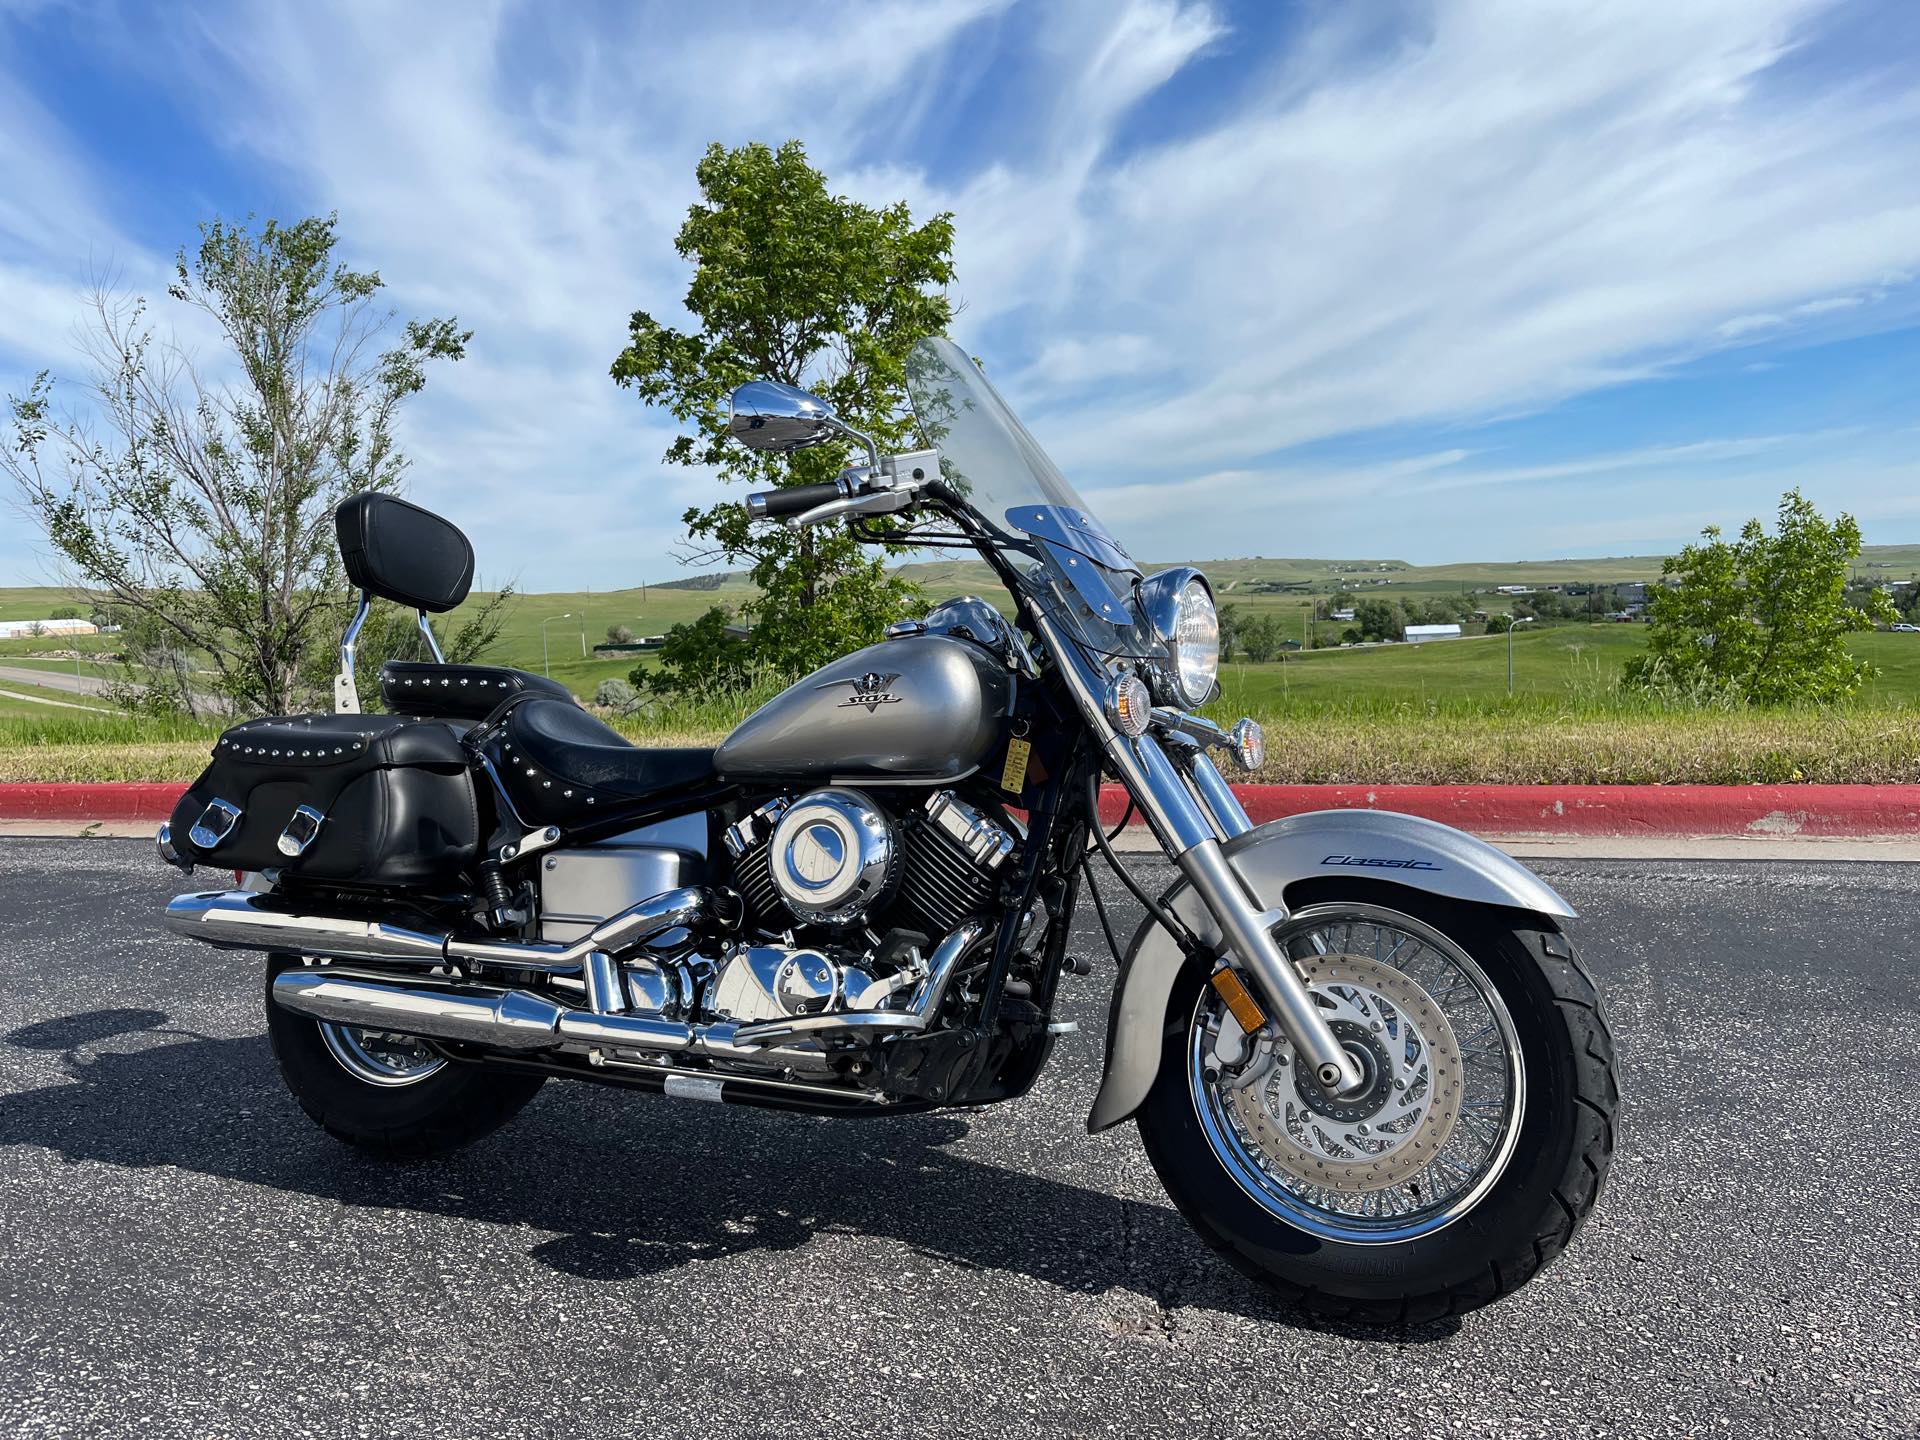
(1757, 810)
(80, 804)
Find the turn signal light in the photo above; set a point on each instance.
(1130, 705)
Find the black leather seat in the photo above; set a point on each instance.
(457, 692)
(561, 765)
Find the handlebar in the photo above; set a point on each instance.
(791, 499)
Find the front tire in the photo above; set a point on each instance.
(1297, 1191)
(383, 1095)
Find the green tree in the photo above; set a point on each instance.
(1260, 637)
(699, 658)
(1764, 616)
(619, 635)
(793, 283)
(1230, 622)
(1378, 620)
(202, 508)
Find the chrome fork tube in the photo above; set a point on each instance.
(1181, 827)
(1217, 795)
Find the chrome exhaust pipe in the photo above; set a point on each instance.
(501, 1019)
(247, 920)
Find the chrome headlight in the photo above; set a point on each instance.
(1178, 604)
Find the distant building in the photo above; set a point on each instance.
(1346, 614)
(1633, 593)
(27, 629)
(1419, 634)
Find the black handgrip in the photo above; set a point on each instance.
(790, 499)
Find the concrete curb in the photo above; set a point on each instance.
(1756, 811)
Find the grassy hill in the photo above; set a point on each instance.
(1558, 660)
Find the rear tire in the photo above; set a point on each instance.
(446, 1109)
(1526, 1216)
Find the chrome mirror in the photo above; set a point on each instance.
(770, 416)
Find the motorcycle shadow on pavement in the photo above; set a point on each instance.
(627, 1186)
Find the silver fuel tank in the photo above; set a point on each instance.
(921, 708)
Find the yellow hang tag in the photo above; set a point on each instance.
(1013, 779)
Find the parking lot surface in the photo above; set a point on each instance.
(182, 1253)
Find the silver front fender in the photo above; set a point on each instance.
(1368, 844)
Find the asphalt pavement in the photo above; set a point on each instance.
(182, 1253)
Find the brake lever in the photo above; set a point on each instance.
(877, 502)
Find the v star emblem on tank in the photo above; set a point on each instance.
(869, 690)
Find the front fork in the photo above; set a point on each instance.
(1190, 816)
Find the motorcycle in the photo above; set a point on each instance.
(1361, 1052)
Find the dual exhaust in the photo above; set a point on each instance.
(518, 1020)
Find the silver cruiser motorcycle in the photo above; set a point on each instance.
(1361, 1052)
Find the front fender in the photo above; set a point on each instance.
(1374, 844)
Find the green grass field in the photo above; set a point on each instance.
(1432, 713)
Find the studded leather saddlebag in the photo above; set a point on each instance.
(380, 800)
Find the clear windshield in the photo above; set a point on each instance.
(999, 468)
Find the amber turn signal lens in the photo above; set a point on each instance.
(1130, 705)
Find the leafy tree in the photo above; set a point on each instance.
(1378, 620)
(1764, 616)
(1260, 637)
(65, 612)
(699, 658)
(1230, 622)
(619, 635)
(793, 283)
(201, 505)
(1499, 624)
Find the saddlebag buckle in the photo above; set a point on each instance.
(215, 824)
(300, 831)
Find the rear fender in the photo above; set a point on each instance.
(1380, 845)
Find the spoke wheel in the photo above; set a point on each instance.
(380, 1058)
(1434, 1125)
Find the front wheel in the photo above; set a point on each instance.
(389, 1094)
(1476, 1149)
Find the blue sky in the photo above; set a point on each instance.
(1494, 279)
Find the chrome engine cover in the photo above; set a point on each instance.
(835, 856)
(774, 982)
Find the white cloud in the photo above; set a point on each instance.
(1438, 213)
(1528, 201)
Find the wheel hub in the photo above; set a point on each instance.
(379, 1058)
(1399, 1122)
(1375, 1067)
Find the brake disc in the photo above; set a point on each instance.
(1403, 1117)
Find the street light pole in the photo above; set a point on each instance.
(1513, 625)
(545, 666)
